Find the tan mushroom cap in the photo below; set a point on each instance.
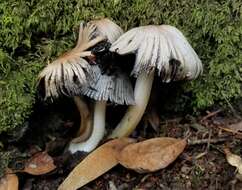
(160, 47)
(69, 72)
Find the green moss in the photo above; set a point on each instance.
(17, 94)
(35, 32)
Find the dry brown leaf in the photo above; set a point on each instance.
(95, 164)
(9, 182)
(40, 163)
(151, 155)
(233, 160)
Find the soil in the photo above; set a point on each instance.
(201, 166)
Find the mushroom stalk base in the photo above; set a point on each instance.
(86, 120)
(135, 112)
(97, 132)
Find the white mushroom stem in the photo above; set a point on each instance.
(86, 120)
(135, 112)
(97, 132)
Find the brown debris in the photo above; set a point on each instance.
(41, 163)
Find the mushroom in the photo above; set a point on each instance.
(114, 87)
(68, 74)
(160, 49)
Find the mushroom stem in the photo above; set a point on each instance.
(86, 120)
(97, 132)
(135, 112)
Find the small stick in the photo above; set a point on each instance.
(205, 141)
(211, 114)
(209, 143)
(200, 155)
(209, 140)
(230, 130)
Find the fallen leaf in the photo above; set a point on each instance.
(9, 182)
(151, 155)
(233, 160)
(95, 164)
(41, 163)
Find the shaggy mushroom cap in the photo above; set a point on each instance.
(107, 28)
(113, 88)
(68, 74)
(162, 48)
(113, 84)
(65, 77)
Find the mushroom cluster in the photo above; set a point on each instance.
(95, 68)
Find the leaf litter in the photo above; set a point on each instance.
(152, 154)
(209, 171)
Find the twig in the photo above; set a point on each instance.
(205, 141)
(210, 114)
(200, 155)
(209, 140)
(230, 130)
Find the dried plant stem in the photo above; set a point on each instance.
(192, 142)
(86, 120)
(211, 114)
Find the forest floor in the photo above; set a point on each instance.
(202, 165)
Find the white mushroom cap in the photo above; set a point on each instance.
(115, 88)
(107, 28)
(163, 48)
(68, 73)
(64, 76)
